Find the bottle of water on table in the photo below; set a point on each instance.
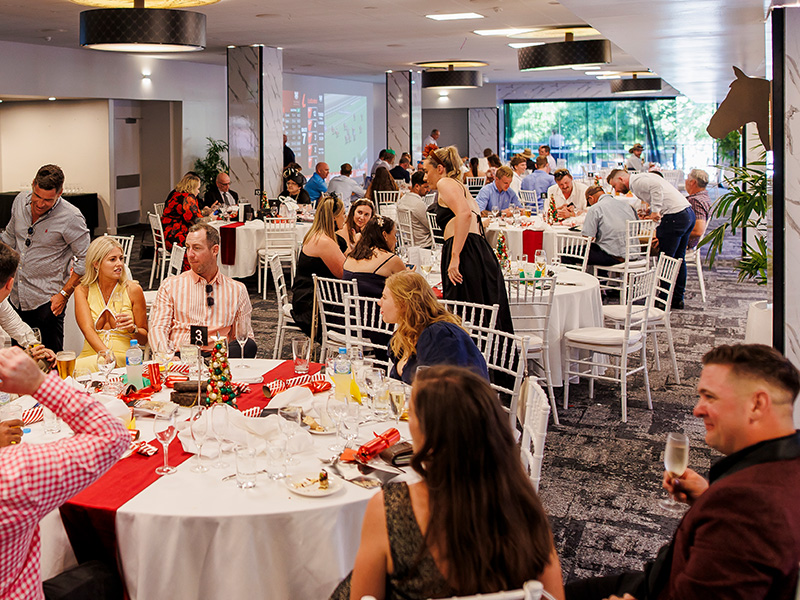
(133, 364)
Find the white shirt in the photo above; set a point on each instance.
(516, 183)
(663, 197)
(552, 163)
(346, 188)
(14, 326)
(634, 163)
(577, 197)
(429, 140)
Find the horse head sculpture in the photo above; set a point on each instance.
(748, 101)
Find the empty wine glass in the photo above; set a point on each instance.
(106, 362)
(373, 378)
(219, 426)
(495, 212)
(350, 421)
(290, 425)
(198, 426)
(242, 334)
(164, 428)
(676, 459)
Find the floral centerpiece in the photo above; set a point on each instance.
(428, 149)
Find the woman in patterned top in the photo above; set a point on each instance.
(181, 210)
(474, 524)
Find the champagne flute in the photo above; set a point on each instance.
(676, 459)
(540, 260)
(241, 339)
(289, 424)
(219, 425)
(106, 362)
(164, 428)
(397, 395)
(198, 426)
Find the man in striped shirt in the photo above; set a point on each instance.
(201, 296)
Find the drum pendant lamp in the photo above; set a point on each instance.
(636, 85)
(561, 55)
(451, 79)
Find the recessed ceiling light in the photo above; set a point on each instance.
(52, 98)
(608, 76)
(454, 16)
(444, 93)
(605, 72)
(456, 64)
(525, 44)
(505, 32)
(231, 46)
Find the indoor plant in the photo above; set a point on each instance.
(214, 162)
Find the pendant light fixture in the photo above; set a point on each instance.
(450, 78)
(636, 85)
(141, 29)
(562, 55)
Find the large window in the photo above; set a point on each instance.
(600, 132)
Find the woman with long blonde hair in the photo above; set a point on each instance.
(320, 255)
(427, 334)
(109, 307)
(470, 271)
(181, 210)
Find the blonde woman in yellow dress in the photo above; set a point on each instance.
(109, 307)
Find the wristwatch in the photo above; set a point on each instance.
(63, 293)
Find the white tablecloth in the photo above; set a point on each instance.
(190, 535)
(249, 240)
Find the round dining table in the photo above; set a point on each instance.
(192, 535)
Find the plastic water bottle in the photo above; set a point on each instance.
(342, 376)
(133, 364)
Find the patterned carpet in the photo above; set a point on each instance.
(601, 478)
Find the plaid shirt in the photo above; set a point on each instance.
(36, 478)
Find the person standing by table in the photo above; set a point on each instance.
(470, 271)
(669, 209)
(634, 161)
(51, 237)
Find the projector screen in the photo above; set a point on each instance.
(326, 127)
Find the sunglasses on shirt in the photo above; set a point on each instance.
(209, 291)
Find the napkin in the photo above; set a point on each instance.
(242, 375)
(115, 406)
(296, 396)
(33, 415)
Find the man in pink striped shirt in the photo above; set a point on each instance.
(201, 296)
(37, 478)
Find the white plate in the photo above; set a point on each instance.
(312, 490)
(326, 432)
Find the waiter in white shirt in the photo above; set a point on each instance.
(669, 209)
(431, 139)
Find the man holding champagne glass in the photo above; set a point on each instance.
(740, 537)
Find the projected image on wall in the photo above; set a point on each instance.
(346, 132)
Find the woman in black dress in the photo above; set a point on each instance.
(320, 256)
(470, 271)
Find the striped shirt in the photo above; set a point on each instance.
(44, 265)
(36, 478)
(182, 302)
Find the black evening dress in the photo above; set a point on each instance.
(303, 289)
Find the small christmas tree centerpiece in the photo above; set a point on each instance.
(502, 251)
(219, 387)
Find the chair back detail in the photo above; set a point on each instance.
(573, 248)
(478, 319)
(364, 327)
(126, 241)
(330, 295)
(536, 411)
(384, 200)
(436, 233)
(530, 199)
(429, 198)
(159, 208)
(405, 230)
(176, 260)
(160, 253)
(285, 322)
(532, 590)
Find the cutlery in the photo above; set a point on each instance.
(227, 477)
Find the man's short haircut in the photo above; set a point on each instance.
(518, 159)
(212, 234)
(9, 261)
(382, 154)
(541, 162)
(546, 147)
(487, 152)
(757, 361)
(49, 177)
(418, 178)
(561, 173)
(614, 173)
(346, 169)
(699, 176)
(504, 171)
(434, 131)
(404, 160)
(592, 190)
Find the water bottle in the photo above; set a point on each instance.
(133, 364)
(342, 376)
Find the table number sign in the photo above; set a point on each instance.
(198, 335)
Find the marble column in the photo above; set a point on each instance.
(404, 113)
(255, 120)
(482, 130)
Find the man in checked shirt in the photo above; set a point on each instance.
(37, 478)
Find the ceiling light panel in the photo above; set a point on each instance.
(454, 16)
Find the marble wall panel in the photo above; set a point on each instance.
(244, 117)
(482, 130)
(272, 111)
(417, 135)
(398, 111)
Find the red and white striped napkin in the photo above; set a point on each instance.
(252, 412)
(144, 448)
(280, 385)
(241, 387)
(33, 415)
(180, 367)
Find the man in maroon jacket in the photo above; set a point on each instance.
(741, 536)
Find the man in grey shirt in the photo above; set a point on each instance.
(51, 237)
(415, 205)
(607, 222)
(346, 188)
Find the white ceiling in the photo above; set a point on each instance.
(691, 43)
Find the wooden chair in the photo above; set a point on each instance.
(365, 328)
(159, 208)
(405, 230)
(637, 257)
(385, 202)
(530, 200)
(436, 234)
(330, 295)
(481, 315)
(693, 259)
(175, 267)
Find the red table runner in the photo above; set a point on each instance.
(227, 243)
(89, 517)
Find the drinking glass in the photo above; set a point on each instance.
(397, 396)
(301, 350)
(241, 338)
(164, 428)
(219, 425)
(373, 378)
(65, 362)
(540, 260)
(52, 422)
(381, 403)
(676, 459)
(290, 425)
(198, 426)
(106, 362)
(246, 468)
(350, 421)
(336, 410)
(189, 354)
(276, 458)
(495, 212)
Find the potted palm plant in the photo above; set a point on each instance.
(214, 162)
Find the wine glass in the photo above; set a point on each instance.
(289, 424)
(676, 459)
(164, 428)
(350, 422)
(397, 395)
(198, 426)
(106, 362)
(36, 337)
(540, 260)
(336, 409)
(241, 339)
(373, 378)
(495, 212)
(219, 425)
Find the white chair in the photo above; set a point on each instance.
(405, 230)
(126, 241)
(658, 320)
(174, 268)
(531, 304)
(478, 182)
(429, 198)
(530, 199)
(616, 344)
(536, 411)
(385, 202)
(280, 237)
(330, 295)
(573, 250)
(365, 328)
(159, 208)
(483, 316)
(400, 183)
(285, 319)
(532, 590)
(507, 360)
(436, 234)
(638, 239)
(694, 259)
(160, 258)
